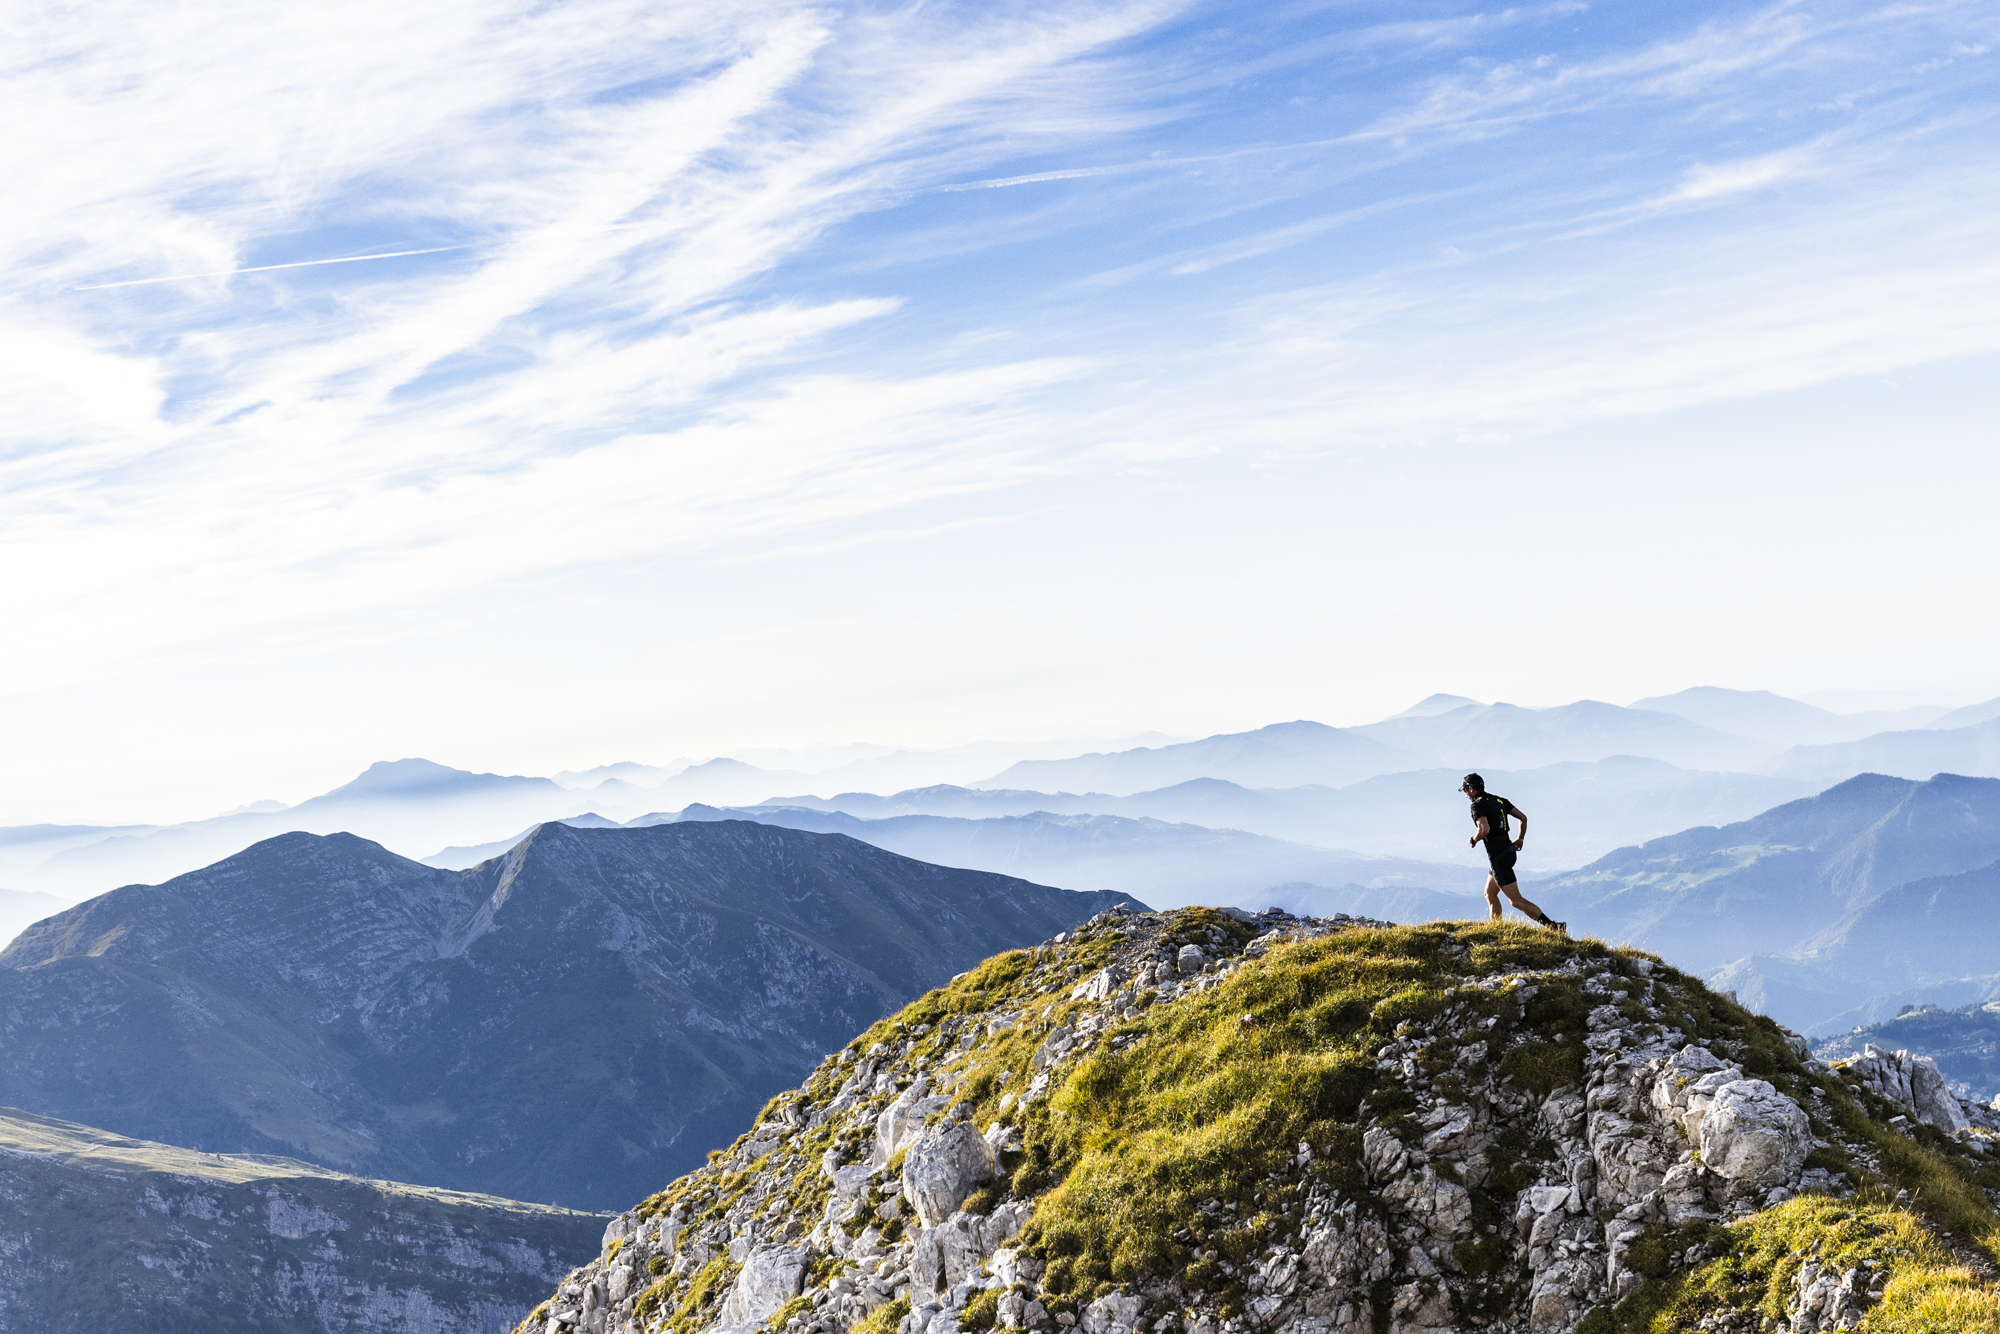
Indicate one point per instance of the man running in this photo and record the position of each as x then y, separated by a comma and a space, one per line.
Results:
1490, 814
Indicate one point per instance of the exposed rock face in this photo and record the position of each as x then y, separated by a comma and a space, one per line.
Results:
1913, 1082
1965, 1043
327, 999
1460, 1198
941, 1170
770, 1277
98, 1233
1754, 1136
1827, 1299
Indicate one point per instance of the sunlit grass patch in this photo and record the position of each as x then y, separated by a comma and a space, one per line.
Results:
1925, 1289
1217, 1092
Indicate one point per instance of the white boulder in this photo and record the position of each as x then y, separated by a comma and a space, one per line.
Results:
1754, 1135
1932, 1099
942, 1168
771, 1276
902, 1121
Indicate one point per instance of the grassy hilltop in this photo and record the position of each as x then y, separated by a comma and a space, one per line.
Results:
1316, 1126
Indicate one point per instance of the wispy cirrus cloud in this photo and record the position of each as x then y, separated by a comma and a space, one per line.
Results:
779, 278
624, 171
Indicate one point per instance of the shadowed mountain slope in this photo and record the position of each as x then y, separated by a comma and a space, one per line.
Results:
1936, 932
552, 1025
100, 1232
1770, 885
20, 909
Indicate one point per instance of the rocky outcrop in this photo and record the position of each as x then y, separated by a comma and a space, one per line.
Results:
1965, 1043
99, 1232
770, 1277
942, 1168
1915, 1084
1551, 1123
1828, 1299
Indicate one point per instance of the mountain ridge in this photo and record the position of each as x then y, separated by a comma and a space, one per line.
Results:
321, 997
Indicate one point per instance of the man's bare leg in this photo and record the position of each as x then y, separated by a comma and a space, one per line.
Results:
1493, 896
1513, 893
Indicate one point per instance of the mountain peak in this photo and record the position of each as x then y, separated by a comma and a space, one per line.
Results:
425, 780
1253, 1122
1432, 705
399, 778
357, 987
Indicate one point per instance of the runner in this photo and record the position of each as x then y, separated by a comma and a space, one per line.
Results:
1490, 814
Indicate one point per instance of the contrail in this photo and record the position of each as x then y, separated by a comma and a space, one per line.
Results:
266, 268
1075, 173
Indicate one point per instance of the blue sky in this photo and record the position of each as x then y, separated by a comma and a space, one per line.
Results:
784, 374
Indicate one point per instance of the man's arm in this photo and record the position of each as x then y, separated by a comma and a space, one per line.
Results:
1522, 816
1484, 832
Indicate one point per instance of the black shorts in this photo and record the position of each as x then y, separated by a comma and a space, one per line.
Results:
1501, 856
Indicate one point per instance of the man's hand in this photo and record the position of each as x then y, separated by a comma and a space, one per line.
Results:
1520, 842
1472, 842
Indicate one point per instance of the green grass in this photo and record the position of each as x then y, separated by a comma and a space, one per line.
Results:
982, 1312
1217, 1091
883, 1319
1928, 1291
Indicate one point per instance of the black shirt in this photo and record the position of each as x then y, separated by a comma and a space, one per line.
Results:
1495, 810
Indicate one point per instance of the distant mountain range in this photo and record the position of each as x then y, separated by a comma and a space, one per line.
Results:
1781, 723
1164, 864
1706, 728
1579, 810
587, 1014
1745, 747
1504, 736
1915, 754
1818, 908
1281, 755
1824, 911
101, 1232
396, 801
1462, 736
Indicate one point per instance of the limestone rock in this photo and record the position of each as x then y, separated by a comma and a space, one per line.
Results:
902, 1121
1754, 1135
942, 1168
1116, 1313
1826, 1299
1915, 1083
770, 1277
